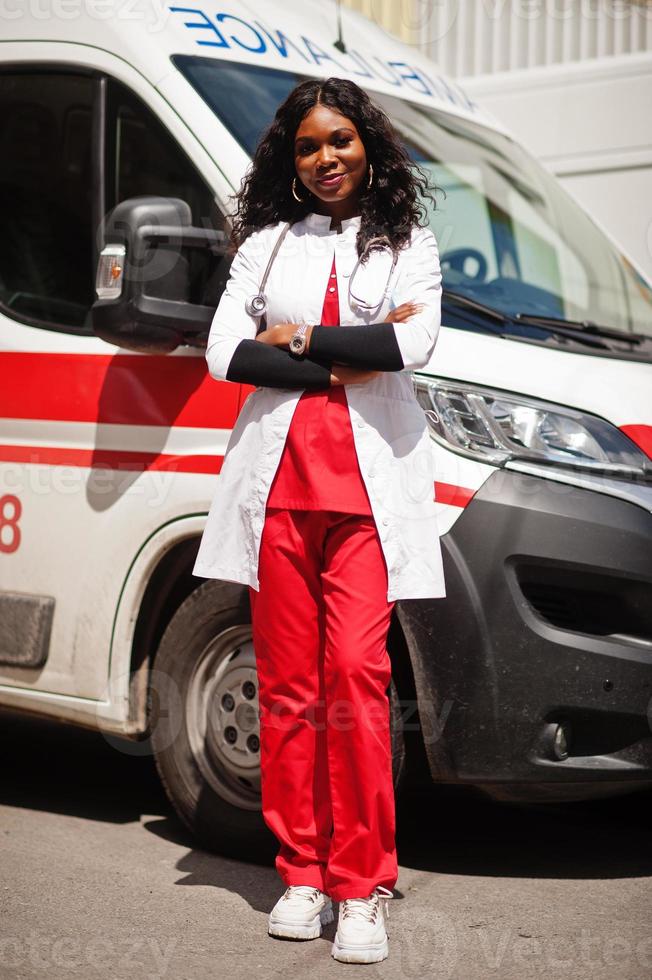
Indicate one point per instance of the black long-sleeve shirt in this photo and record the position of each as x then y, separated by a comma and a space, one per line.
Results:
262, 364
256, 363
372, 347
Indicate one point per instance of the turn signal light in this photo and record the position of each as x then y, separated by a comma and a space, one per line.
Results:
110, 272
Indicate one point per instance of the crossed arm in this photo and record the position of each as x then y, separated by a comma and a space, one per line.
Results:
257, 363
270, 363
406, 341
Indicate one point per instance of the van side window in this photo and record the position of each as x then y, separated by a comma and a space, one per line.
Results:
53, 195
143, 158
46, 238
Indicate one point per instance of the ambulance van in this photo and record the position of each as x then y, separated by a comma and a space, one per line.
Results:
125, 128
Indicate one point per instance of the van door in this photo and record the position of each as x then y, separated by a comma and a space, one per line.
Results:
86, 430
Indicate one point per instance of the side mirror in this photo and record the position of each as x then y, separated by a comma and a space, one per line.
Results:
159, 279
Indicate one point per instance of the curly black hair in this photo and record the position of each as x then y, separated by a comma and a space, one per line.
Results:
390, 207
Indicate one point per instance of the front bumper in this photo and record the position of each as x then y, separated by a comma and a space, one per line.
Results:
547, 620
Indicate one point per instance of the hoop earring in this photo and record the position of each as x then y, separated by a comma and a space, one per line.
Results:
371, 175
301, 200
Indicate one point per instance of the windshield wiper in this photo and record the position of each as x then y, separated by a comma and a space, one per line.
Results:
581, 326
558, 325
473, 304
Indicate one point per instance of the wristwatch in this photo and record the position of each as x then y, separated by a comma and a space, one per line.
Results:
298, 339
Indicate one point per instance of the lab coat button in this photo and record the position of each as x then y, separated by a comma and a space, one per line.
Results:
385, 520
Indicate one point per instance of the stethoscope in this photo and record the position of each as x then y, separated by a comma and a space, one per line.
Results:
363, 304
256, 305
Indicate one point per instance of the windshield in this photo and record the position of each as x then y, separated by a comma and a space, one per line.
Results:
509, 235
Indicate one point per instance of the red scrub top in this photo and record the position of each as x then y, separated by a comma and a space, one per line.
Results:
319, 469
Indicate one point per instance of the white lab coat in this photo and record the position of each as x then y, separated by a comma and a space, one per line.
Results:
390, 430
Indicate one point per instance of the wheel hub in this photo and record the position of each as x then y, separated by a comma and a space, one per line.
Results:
222, 716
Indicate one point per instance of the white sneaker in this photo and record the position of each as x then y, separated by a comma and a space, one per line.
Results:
361, 936
300, 913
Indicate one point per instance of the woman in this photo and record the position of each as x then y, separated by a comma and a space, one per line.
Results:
324, 506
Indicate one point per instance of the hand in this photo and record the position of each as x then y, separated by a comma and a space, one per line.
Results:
279, 335
403, 312
344, 374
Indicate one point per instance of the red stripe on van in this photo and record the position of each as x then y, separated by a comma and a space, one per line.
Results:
130, 389
118, 459
641, 435
448, 493
126, 460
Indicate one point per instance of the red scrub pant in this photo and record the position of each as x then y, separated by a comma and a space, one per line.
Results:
320, 623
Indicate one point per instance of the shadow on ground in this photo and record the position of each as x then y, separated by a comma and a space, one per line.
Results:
72, 771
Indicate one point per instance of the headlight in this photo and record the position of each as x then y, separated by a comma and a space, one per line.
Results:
495, 426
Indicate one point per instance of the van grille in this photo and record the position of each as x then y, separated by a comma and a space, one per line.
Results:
588, 602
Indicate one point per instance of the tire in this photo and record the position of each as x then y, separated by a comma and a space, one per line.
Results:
204, 722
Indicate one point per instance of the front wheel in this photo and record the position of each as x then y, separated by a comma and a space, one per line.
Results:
204, 721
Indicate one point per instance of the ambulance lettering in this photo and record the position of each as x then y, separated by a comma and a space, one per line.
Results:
256, 38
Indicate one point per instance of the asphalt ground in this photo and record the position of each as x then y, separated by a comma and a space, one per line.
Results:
100, 879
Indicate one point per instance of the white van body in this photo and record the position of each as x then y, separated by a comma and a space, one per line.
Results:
110, 456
